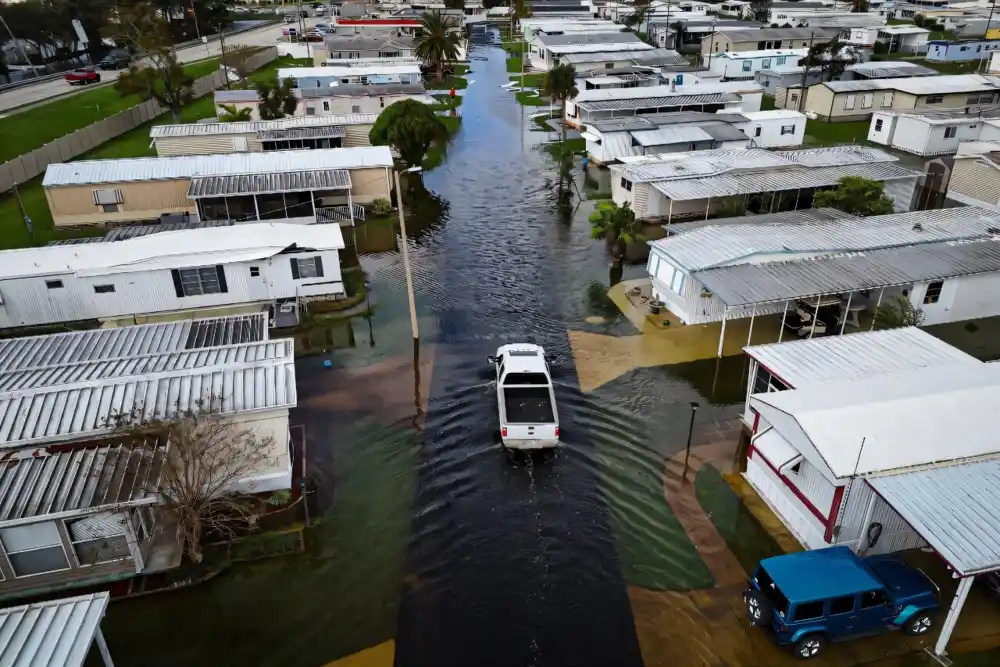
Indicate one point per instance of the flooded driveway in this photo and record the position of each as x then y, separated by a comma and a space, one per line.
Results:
428, 536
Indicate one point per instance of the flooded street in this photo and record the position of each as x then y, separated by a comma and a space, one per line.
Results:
428, 535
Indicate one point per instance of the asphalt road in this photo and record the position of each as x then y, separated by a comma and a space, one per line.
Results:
46, 90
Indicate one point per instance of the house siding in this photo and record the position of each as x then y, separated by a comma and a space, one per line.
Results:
806, 527
204, 145
147, 200
896, 534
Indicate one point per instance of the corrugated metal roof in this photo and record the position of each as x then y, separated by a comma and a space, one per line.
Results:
39, 352
888, 423
359, 90
748, 284
722, 185
715, 246
56, 633
126, 232
79, 479
798, 217
951, 115
329, 132
657, 102
154, 362
377, 69
257, 126
655, 120
250, 184
884, 70
770, 34
931, 85
92, 172
81, 410
605, 94
589, 39
363, 43
723, 132
678, 134
955, 508
801, 363
601, 56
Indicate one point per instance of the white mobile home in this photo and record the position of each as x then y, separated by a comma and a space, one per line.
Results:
327, 77
775, 128
532, 27
173, 272
611, 140
929, 133
896, 38
733, 66
653, 60
546, 51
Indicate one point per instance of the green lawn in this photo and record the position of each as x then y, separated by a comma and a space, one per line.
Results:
532, 80
530, 99
447, 83
820, 133
515, 48
948, 68
767, 102
23, 132
515, 64
746, 538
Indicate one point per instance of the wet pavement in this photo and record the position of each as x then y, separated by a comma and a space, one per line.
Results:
431, 547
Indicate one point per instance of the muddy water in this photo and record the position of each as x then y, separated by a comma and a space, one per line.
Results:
429, 535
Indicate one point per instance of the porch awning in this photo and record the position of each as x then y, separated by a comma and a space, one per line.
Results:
69, 482
955, 508
590, 137
776, 450
57, 632
262, 184
328, 132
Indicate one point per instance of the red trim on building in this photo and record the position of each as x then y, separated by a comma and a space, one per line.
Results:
378, 22
823, 519
838, 497
756, 419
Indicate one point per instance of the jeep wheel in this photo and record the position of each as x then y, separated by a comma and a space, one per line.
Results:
758, 609
809, 646
918, 625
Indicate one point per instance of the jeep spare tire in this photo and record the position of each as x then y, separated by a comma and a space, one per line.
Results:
758, 609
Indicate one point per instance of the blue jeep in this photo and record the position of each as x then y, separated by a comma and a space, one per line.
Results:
813, 597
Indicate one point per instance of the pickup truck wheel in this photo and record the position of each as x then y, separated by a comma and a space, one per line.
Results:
809, 646
918, 625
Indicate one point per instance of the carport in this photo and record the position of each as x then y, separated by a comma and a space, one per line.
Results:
956, 509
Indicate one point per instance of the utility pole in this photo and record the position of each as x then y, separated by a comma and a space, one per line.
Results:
805, 73
302, 30
222, 52
20, 45
993, 6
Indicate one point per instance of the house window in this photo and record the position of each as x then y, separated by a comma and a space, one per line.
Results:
104, 289
866, 100
99, 538
307, 267
849, 102
609, 65
934, 99
381, 102
788, 129
355, 108
326, 105
765, 63
110, 208
677, 282
983, 98
780, 60
764, 382
795, 98
756, 130
878, 125
627, 184
254, 271
950, 132
933, 294
887, 99
53, 284
108, 197
746, 65
34, 549
310, 110
200, 280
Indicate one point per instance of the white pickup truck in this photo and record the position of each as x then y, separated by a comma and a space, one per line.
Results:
527, 403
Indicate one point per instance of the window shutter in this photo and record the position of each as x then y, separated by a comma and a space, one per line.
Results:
178, 287
221, 271
295, 268
319, 266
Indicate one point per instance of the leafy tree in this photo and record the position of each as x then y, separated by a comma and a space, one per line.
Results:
638, 15
230, 114
832, 58
437, 42
163, 79
560, 84
898, 312
410, 127
760, 10
522, 9
454, 4
277, 100
857, 196
618, 225
679, 28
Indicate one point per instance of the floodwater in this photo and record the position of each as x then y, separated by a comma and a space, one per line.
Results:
428, 534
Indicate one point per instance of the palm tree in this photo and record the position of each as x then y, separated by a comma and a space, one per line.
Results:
277, 99
618, 225
437, 41
230, 114
560, 84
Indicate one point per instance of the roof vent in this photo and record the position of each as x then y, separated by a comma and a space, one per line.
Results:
917, 227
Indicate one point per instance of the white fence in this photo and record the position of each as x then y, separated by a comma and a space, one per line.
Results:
69, 146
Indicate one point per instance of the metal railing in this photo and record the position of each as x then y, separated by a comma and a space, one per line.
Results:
340, 213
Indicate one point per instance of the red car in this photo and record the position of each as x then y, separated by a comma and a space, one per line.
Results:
82, 76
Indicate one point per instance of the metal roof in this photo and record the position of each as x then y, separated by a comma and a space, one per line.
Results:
946, 116
153, 362
95, 172
888, 70
890, 422
930, 85
83, 409
333, 71
39, 484
656, 102
171, 250
56, 633
330, 132
680, 134
801, 216
126, 232
716, 246
857, 356
723, 185
724, 132
39, 352
749, 284
258, 126
604, 94
258, 184
364, 43
601, 56
771, 34
589, 39
360, 90
655, 120
955, 508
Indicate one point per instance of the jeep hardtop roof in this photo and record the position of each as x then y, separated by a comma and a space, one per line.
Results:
820, 574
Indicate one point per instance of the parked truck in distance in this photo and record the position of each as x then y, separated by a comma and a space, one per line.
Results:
525, 398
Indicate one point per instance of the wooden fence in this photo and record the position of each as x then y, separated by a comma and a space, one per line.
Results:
69, 146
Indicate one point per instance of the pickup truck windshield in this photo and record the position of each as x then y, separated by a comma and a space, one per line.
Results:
526, 378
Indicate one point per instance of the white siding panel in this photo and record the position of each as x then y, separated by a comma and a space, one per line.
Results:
974, 296
901, 191
897, 535
813, 486
799, 520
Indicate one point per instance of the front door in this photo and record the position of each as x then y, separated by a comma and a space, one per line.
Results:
257, 287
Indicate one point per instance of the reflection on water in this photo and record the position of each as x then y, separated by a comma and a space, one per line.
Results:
325, 335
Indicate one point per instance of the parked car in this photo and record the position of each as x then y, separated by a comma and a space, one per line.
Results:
525, 398
115, 60
289, 18
82, 76
811, 598
311, 36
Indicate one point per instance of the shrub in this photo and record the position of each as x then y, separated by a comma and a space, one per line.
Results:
381, 206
